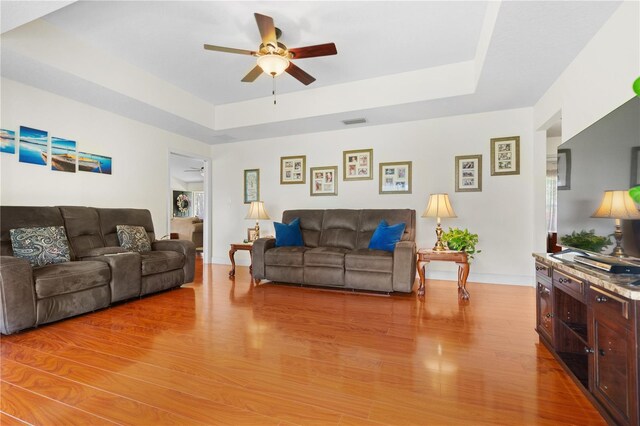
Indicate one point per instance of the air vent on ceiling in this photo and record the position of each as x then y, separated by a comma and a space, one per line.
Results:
354, 121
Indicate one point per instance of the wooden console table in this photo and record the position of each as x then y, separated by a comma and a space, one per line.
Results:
232, 251
427, 255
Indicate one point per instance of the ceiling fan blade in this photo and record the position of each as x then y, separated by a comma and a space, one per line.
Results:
253, 74
267, 29
300, 75
314, 51
229, 50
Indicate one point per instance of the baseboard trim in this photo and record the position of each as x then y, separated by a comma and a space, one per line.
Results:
521, 280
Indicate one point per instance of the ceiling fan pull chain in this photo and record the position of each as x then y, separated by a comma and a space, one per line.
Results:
273, 91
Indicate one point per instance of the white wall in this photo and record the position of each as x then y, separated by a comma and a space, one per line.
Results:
140, 156
599, 79
500, 214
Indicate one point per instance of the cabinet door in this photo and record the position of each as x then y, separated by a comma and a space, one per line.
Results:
613, 367
545, 310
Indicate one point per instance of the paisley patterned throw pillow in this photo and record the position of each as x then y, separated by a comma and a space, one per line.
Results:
40, 245
133, 238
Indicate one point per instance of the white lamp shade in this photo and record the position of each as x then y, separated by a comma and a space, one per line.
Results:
257, 211
617, 205
439, 206
273, 64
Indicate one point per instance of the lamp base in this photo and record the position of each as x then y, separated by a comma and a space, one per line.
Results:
439, 244
257, 228
618, 251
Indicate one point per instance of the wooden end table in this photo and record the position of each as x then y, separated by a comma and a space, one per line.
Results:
234, 248
427, 255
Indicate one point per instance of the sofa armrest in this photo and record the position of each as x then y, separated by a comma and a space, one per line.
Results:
187, 248
17, 295
404, 266
260, 246
126, 274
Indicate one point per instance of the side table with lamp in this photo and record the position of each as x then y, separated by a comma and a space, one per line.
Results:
257, 212
439, 206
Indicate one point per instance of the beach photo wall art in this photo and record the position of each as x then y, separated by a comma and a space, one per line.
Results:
7, 141
63, 155
94, 163
34, 146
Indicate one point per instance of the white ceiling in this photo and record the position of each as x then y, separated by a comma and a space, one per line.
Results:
186, 169
513, 52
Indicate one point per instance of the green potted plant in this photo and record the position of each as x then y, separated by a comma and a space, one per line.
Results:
586, 240
461, 240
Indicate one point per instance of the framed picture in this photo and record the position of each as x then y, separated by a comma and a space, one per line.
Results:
357, 164
251, 234
564, 169
323, 180
251, 185
395, 178
182, 203
505, 156
34, 146
469, 173
635, 166
63, 155
94, 163
292, 169
7, 141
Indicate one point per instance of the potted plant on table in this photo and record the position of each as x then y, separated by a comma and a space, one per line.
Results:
586, 240
461, 240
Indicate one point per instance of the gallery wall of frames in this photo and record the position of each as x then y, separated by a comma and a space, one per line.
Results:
393, 177
37, 147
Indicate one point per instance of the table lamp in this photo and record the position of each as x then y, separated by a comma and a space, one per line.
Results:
617, 205
439, 207
257, 212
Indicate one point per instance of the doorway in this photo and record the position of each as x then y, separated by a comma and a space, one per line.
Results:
189, 196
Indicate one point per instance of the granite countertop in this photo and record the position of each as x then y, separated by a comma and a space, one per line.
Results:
617, 283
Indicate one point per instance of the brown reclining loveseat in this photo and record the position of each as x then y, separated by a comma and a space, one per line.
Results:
100, 271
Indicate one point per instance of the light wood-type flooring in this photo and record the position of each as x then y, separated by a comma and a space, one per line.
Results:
223, 351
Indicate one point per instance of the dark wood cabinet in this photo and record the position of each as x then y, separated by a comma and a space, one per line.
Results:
544, 302
614, 381
593, 332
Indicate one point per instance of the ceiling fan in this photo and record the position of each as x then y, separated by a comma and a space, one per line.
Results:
274, 57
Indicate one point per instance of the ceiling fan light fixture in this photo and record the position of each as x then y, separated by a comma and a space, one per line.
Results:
273, 64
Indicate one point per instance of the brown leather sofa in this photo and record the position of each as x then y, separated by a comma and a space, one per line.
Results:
336, 253
100, 271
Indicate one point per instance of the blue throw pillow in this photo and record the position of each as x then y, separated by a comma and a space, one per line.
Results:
288, 235
386, 236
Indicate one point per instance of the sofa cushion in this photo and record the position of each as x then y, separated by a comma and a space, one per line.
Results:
339, 228
69, 277
83, 229
45, 245
288, 235
325, 256
133, 238
112, 217
285, 256
369, 260
12, 217
155, 262
370, 218
386, 236
310, 224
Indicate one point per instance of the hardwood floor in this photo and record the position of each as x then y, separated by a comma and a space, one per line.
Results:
222, 351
